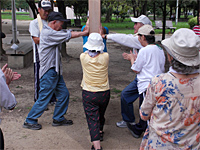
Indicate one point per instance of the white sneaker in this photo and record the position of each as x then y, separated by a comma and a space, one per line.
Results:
122, 124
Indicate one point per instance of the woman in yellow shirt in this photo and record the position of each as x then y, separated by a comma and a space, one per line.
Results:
95, 85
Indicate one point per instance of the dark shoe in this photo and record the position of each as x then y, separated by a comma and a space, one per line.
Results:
101, 136
32, 126
131, 129
65, 122
92, 148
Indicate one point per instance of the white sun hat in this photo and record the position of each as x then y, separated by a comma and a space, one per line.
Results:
143, 19
184, 46
95, 42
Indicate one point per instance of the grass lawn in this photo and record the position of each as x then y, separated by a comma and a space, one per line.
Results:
127, 26
19, 16
120, 27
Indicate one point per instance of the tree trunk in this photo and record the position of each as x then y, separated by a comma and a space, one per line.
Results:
164, 20
179, 11
154, 10
144, 8
109, 12
170, 12
108, 15
133, 4
33, 7
62, 9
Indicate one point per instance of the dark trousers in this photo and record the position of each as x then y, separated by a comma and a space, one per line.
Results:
1, 140
95, 104
142, 125
128, 96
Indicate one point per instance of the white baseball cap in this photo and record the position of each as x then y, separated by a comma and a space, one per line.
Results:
184, 46
143, 19
95, 42
46, 5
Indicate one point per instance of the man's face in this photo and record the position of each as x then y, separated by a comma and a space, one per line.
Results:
58, 25
137, 26
44, 13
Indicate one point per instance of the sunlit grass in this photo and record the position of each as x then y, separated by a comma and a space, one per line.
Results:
19, 16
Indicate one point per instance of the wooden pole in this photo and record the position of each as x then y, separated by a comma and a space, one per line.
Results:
94, 15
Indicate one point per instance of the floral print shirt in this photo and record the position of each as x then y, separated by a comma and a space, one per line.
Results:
173, 107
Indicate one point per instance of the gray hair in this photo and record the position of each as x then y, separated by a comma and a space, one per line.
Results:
179, 67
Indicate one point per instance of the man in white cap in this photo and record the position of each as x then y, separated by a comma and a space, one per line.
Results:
130, 93
35, 27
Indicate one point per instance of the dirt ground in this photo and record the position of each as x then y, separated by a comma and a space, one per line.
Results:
75, 137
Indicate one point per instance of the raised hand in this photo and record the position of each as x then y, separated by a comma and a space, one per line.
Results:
9, 74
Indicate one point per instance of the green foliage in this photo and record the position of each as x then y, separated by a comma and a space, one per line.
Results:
5, 4
21, 4
192, 22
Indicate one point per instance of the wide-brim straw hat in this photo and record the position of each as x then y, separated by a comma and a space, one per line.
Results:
184, 46
95, 42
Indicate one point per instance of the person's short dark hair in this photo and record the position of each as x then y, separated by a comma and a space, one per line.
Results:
150, 39
56, 16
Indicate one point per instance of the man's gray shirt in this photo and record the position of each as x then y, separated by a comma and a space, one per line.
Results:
7, 99
49, 48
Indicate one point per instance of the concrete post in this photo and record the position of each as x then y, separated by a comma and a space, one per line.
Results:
94, 15
176, 12
14, 24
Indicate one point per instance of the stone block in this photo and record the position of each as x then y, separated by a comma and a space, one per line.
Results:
20, 58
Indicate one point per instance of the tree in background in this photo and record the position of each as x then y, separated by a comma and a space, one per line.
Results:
21, 4
5, 4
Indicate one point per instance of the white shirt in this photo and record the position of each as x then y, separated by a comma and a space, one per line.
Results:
35, 31
129, 40
150, 62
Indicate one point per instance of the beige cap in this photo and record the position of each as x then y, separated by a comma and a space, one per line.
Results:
146, 30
